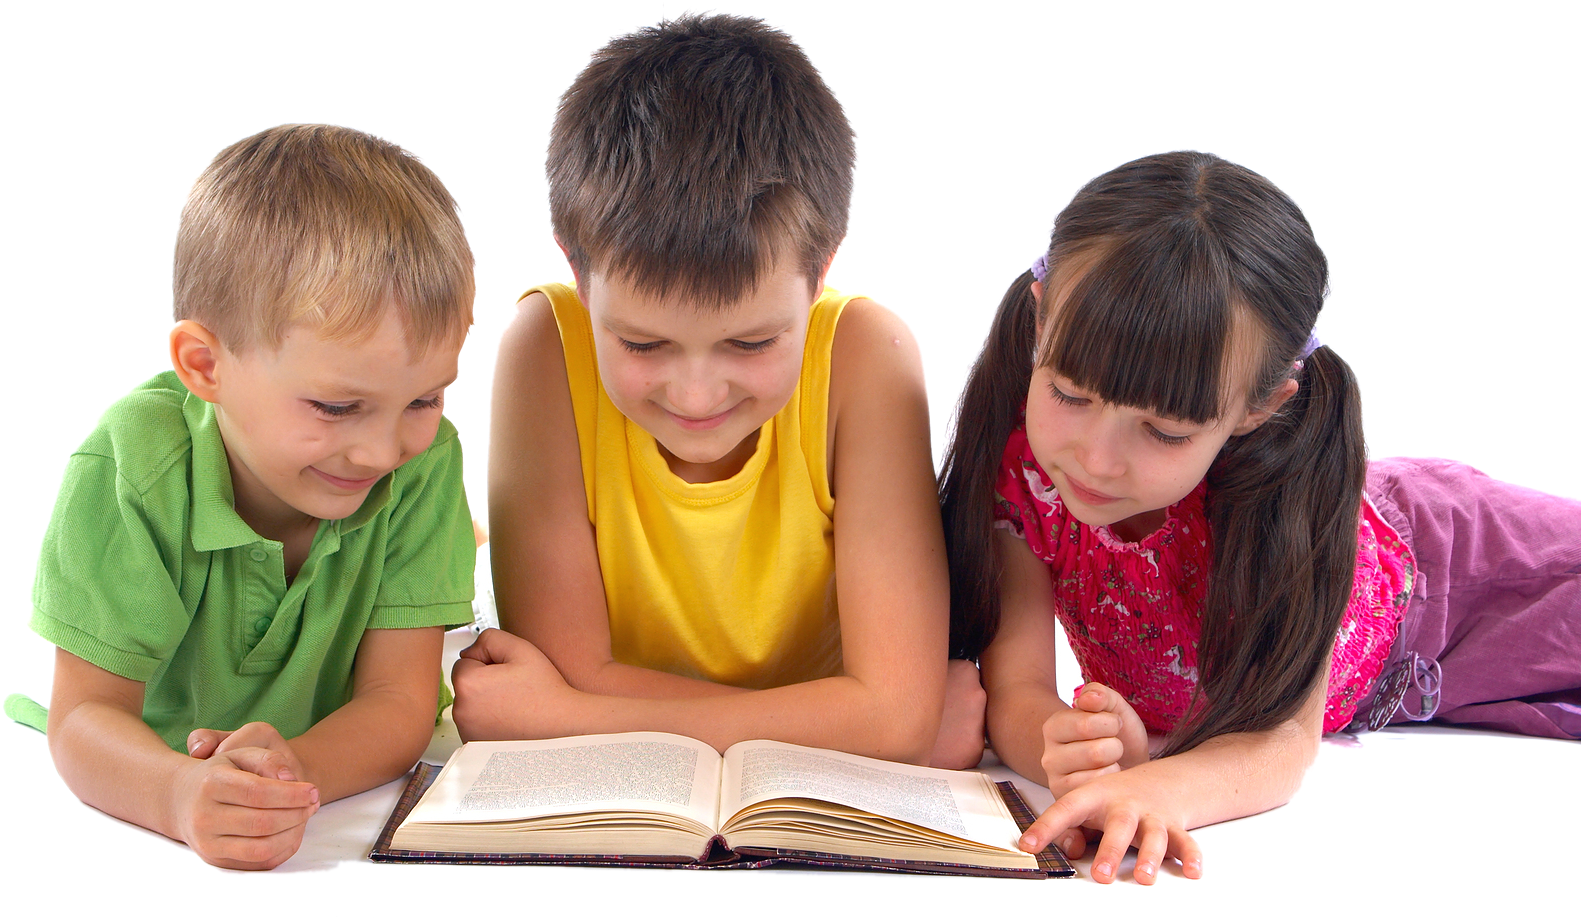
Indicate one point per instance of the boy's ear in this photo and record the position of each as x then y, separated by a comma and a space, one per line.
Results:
1266, 411
194, 353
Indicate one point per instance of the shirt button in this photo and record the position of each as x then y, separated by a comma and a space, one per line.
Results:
259, 555
261, 625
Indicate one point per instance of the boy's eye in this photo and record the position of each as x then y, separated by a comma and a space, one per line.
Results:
638, 348
755, 347
333, 410
433, 402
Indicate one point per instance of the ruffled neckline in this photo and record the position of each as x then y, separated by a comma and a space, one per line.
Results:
1174, 519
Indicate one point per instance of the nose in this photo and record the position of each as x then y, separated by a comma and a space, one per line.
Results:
380, 448
697, 391
1098, 447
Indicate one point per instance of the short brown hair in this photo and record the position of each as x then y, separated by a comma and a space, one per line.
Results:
688, 155
322, 225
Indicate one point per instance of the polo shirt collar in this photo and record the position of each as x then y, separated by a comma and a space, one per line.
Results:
215, 523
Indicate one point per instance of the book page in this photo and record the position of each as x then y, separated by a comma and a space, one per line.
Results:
636, 771
961, 804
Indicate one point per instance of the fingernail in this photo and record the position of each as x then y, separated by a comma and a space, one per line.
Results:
1103, 869
1144, 870
196, 746
313, 795
1027, 843
286, 776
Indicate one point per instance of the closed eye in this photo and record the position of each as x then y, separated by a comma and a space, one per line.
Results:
1065, 399
436, 401
335, 410
638, 348
754, 348
1173, 440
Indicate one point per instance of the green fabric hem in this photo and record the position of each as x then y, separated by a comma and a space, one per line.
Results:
93, 650
451, 615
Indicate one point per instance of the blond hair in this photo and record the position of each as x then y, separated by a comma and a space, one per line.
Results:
323, 226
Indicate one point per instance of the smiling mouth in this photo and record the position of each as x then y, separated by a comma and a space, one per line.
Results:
700, 424
1087, 495
350, 485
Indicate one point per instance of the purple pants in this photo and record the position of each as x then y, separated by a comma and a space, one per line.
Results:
1497, 598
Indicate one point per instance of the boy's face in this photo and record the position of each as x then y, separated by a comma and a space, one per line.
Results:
311, 427
702, 382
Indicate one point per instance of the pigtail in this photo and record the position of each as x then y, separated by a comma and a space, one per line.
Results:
1282, 505
989, 410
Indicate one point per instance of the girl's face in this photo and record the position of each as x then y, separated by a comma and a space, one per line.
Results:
702, 382
1122, 466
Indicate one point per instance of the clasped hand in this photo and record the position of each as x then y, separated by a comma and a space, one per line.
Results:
1097, 735
493, 678
241, 803
1089, 752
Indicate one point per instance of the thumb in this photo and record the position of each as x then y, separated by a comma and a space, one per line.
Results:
203, 742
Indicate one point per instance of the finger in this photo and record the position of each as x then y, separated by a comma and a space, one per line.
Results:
253, 851
1078, 725
1153, 837
203, 742
478, 650
254, 735
1118, 832
1184, 847
1096, 697
1081, 756
1070, 782
1064, 815
253, 784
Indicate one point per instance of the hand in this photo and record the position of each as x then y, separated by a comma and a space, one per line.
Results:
502, 681
959, 745
240, 803
1126, 808
1098, 735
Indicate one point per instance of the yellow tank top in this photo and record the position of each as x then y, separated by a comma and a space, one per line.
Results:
729, 581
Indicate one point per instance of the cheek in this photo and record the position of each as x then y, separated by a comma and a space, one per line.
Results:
1045, 430
773, 379
629, 380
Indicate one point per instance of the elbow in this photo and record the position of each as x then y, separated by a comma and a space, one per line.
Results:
1299, 748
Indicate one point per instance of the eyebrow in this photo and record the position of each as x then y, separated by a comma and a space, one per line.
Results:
352, 392
771, 326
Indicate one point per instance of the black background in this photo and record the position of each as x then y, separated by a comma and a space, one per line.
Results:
1428, 184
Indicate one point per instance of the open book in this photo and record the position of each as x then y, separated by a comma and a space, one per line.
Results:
654, 799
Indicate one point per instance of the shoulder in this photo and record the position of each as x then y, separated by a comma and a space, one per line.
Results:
530, 349
143, 436
874, 356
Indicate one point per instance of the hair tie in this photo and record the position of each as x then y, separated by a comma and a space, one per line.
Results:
1040, 268
1313, 344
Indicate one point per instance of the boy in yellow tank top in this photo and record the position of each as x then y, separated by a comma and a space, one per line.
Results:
711, 491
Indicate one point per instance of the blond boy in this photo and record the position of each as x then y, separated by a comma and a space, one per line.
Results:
253, 557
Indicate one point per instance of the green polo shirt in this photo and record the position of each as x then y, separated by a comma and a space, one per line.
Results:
148, 572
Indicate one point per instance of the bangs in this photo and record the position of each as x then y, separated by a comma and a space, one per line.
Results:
1148, 325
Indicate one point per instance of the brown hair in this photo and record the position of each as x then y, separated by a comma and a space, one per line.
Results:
690, 156
1176, 252
321, 225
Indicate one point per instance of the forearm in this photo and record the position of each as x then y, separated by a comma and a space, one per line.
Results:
835, 712
112, 760
380, 732
1016, 714
1236, 775
374, 738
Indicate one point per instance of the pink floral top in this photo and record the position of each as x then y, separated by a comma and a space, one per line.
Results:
1131, 611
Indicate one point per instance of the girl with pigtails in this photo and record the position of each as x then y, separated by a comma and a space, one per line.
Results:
1155, 450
